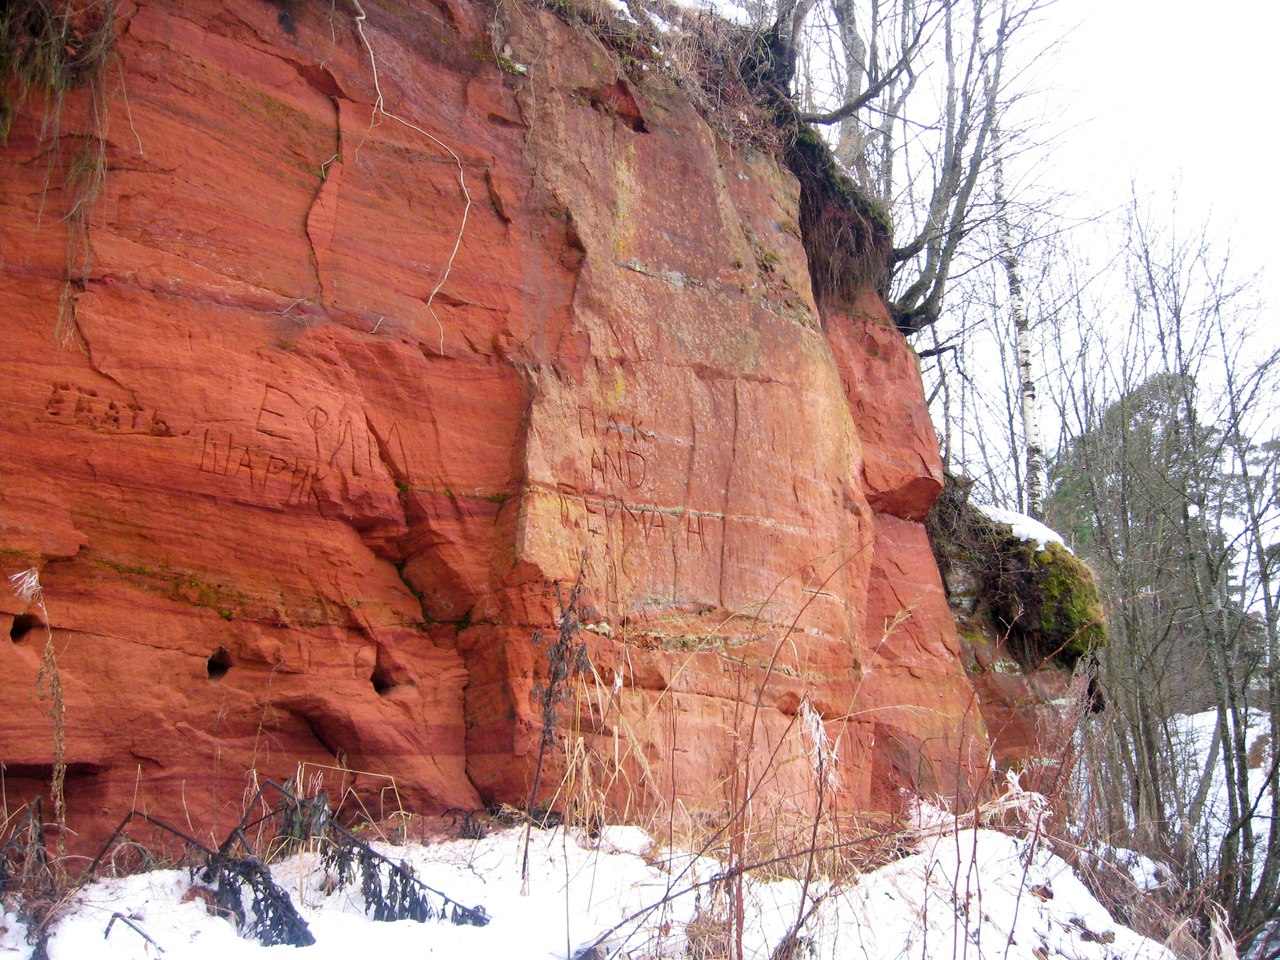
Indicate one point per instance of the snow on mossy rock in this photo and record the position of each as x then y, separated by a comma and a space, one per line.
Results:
1019, 575
1026, 529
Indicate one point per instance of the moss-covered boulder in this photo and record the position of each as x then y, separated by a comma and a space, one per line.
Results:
1040, 599
1050, 598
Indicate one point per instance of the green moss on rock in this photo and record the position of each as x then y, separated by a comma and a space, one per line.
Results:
1041, 604
1071, 621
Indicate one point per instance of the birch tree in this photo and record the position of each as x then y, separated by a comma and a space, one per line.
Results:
1011, 263
1167, 484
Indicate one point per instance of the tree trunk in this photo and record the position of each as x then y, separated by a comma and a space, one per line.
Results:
1010, 260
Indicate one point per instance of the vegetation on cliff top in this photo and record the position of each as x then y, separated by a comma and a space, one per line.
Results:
737, 78
1040, 598
48, 49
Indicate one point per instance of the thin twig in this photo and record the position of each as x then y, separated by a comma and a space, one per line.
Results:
132, 926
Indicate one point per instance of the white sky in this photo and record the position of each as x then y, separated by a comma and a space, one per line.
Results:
1174, 94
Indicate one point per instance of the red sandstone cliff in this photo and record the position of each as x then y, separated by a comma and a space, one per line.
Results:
294, 498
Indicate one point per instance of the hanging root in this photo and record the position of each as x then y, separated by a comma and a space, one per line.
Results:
379, 111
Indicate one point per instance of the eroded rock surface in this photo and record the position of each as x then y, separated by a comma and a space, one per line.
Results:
348, 393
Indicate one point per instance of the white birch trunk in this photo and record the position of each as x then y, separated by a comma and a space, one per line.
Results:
1010, 260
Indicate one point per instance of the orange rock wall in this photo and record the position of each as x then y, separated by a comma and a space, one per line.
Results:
349, 392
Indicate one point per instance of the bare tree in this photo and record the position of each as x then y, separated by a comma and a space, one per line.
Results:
924, 149
1167, 483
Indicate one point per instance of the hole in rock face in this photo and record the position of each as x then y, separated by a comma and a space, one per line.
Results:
23, 624
219, 663
381, 680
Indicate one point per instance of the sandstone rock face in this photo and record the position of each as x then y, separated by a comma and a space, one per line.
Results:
1028, 694
363, 369
1031, 714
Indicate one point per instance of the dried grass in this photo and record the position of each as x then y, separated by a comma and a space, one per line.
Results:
48, 50
48, 686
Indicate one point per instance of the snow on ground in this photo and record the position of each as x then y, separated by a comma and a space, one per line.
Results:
1024, 527
1192, 740
968, 893
734, 12
1145, 873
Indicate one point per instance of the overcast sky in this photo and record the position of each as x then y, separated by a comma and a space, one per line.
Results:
1174, 93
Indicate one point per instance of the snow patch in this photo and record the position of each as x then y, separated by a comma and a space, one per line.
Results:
967, 892
725, 9
1024, 528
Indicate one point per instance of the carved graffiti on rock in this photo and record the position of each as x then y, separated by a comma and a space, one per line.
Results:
333, 438
288, 479
286, 452
618, 460
84, 407
619, 454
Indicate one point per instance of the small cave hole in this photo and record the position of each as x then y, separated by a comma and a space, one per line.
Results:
218, 664
23, 624
381, 680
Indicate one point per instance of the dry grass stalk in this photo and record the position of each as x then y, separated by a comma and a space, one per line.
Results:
48, 49
49, 687
566, 661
